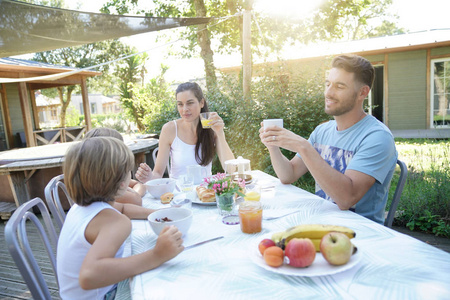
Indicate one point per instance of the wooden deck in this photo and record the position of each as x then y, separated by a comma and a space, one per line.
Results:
12, 285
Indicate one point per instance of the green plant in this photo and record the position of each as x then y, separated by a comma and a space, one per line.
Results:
223, 185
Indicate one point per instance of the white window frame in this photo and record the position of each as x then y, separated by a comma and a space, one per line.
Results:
433, 61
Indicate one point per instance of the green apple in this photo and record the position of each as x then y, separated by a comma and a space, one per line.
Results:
336, 248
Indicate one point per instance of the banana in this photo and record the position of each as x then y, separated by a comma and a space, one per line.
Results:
311, 231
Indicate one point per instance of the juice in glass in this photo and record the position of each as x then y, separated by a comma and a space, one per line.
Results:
206, 123
252, 196
250, 216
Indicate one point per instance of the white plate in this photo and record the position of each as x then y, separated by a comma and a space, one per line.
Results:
320, 267
197, 201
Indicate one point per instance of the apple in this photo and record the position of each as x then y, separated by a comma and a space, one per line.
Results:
300, 252
264, 244
336, 248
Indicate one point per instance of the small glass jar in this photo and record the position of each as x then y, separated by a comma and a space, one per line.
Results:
250, 216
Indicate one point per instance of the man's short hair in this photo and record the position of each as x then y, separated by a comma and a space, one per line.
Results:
95, 167
361, 67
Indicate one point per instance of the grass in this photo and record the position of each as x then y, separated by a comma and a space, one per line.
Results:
425, 201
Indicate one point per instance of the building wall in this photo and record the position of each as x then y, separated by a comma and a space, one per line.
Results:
15, 110
407, 76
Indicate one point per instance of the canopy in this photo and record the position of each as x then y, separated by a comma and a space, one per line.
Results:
28, 28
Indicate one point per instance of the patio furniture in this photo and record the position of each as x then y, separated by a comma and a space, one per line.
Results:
387, 264
397, 194
19, 165
53, 201
17, 235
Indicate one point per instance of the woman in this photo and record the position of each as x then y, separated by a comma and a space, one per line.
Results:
185, 141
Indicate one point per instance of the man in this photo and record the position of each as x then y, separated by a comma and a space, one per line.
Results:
352, 158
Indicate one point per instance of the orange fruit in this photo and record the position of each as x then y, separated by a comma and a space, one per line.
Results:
274, 256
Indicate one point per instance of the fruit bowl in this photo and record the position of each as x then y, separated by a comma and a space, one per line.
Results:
178, 216
157, 187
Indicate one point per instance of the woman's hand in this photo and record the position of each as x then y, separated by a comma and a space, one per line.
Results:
217, 123
144, 173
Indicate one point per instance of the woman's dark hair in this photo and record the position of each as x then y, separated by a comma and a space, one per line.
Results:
205, 137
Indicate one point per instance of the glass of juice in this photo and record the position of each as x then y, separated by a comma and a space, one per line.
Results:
205, 119
252, 192
250, 216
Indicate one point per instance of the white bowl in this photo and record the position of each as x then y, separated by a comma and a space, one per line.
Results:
180, 217
157, 187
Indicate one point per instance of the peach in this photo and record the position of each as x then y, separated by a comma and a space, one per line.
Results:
264, 244
274, 256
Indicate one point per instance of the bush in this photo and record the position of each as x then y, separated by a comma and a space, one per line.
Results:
425, 201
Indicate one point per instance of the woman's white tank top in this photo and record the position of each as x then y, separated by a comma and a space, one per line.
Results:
182, 155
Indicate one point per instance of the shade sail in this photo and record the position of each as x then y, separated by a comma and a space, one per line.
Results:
28, 28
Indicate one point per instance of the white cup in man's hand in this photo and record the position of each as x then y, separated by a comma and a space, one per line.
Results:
272, 122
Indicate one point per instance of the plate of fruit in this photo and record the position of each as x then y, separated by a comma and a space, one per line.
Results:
307, 250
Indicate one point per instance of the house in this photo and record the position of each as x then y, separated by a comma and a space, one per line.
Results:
98, 104
19, 115
411, 91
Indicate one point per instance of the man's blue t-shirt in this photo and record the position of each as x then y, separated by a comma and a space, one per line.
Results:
367, 147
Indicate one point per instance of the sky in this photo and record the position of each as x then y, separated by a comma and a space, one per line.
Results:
423, 15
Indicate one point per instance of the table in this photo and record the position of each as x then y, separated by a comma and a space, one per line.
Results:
392, 265
19, 165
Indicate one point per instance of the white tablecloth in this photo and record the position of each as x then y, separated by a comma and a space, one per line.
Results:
391, 266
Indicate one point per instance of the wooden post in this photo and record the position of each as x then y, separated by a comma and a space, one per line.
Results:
35, 110
26, 114
86, 106
247, 55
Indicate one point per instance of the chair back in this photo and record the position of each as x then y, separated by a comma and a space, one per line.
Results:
397, 194
154, 154
51, 192
16, 237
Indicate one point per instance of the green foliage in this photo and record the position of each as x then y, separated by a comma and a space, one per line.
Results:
153, 104
114, 121
72, 117
425, 201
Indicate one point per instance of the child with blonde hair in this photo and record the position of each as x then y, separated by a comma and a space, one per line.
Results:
136, 190
90, 246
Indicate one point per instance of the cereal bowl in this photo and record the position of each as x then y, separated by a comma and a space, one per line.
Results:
157, 187
178, 216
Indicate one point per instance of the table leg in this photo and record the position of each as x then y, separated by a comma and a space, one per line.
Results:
18, 187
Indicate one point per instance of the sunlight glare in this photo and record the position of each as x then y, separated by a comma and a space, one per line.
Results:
292, 9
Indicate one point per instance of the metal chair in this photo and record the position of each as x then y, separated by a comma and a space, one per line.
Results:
51, 192
398, 192
16, 237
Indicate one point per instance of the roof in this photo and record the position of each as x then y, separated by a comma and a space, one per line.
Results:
393, 43
379, 45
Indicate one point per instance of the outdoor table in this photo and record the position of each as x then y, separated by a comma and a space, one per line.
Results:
20, 164
391, 265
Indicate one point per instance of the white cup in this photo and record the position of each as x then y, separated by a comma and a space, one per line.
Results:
197, 172
273, 122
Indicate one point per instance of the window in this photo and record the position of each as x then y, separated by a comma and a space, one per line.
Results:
93, 108
440, 93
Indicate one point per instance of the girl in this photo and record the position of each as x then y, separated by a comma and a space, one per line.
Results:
136, 190
90, 245
185, 141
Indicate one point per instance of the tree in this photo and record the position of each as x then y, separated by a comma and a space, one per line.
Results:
81, 57
333, 20
131, 71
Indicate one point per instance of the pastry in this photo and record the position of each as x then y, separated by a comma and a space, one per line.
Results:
166, 197
205, 195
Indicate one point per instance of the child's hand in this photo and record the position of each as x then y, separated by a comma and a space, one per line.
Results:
144, 173
169, 243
